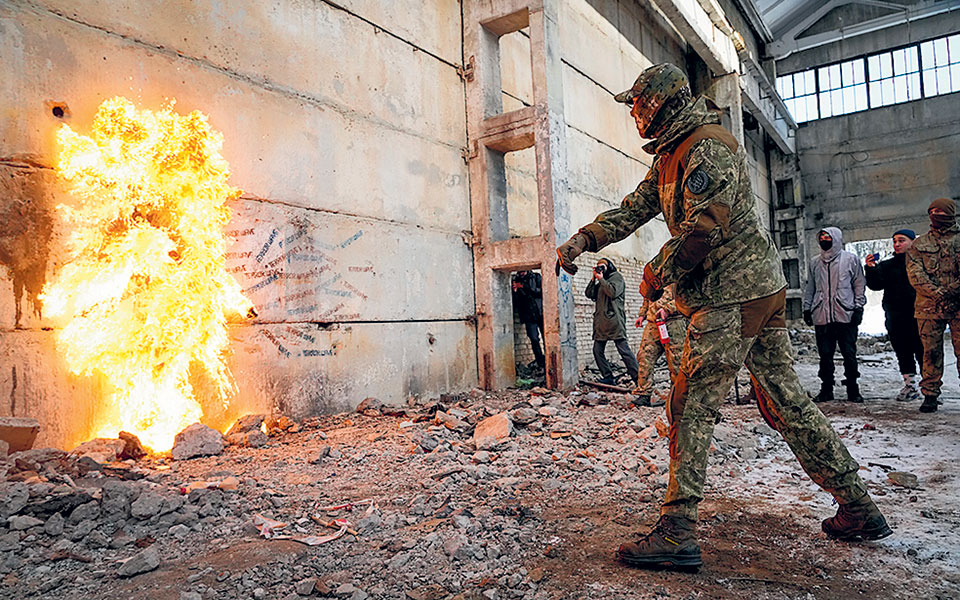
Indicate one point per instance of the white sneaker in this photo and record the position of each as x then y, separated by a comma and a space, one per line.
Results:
910, 391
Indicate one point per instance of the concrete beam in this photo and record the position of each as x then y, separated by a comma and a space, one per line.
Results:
694, 24
785, 47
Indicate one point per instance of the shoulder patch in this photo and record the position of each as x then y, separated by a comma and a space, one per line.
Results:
698, 181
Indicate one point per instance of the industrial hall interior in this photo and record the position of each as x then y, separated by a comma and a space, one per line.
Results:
479, 299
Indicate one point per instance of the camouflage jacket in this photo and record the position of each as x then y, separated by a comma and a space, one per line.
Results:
933, 270
665, 302
719, 253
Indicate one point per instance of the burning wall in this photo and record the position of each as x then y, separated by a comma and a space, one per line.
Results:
347, 238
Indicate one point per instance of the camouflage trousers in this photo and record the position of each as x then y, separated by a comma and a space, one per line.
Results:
651, 349
931, 336
720, 340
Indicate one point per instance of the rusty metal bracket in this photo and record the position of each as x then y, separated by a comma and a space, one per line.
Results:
470, 151
466, 71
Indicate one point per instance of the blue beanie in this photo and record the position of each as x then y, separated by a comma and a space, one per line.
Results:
907, 232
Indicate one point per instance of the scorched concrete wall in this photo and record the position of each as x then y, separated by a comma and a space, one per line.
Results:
344, 129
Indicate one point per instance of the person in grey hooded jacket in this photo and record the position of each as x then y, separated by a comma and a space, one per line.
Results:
833, 303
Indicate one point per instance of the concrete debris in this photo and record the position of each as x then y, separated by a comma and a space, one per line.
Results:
246, 423
492, 430
143, 562
100, 450
18, 432
197, 440
132, 448
907, 480
481, 495
253, 438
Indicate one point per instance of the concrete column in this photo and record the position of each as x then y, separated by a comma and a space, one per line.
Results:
725, 91
492, 133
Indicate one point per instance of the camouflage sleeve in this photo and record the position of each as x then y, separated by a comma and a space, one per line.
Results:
637, 208
709, 191
918, 276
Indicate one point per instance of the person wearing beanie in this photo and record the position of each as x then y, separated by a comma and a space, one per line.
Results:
933, 267
833, 303
898, 297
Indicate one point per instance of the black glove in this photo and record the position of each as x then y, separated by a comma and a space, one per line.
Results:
651, 287
857, 317
569, 251
808, 317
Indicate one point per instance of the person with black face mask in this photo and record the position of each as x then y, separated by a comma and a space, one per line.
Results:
933, 267
833, 303
608, 289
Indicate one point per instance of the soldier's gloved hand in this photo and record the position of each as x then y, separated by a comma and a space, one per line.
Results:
651, 287
857, 317
569, 251
639, 322
808, 317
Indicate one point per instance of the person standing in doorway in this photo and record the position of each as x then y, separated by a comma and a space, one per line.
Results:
528, 302
933, 269
833, 303
898, 297
608, 290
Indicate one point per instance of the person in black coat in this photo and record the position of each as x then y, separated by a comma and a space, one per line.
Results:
898, 297
528, 302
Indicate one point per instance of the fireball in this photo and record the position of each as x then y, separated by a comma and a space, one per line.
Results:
144, 297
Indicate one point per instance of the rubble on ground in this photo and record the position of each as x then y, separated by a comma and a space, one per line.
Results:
481, 496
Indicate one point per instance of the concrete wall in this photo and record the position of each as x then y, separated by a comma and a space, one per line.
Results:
873, 172
343, 123
348, 236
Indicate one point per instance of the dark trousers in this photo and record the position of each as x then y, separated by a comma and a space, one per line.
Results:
905, 339
830, 336
629, 360
533, 334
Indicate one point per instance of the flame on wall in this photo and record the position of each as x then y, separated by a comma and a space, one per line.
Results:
144, 297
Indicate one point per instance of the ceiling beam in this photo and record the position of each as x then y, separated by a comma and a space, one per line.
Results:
786, 46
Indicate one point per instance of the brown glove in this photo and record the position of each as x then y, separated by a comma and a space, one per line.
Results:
569, 251
651, 287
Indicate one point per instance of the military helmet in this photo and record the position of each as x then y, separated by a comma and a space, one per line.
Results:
659, 92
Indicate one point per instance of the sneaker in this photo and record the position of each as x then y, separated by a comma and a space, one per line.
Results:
909, 392
859, 520
607, 381
930, 404
671, 544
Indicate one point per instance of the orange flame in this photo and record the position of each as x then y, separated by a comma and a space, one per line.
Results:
144, 296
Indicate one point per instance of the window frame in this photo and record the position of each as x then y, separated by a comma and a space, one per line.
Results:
923, 95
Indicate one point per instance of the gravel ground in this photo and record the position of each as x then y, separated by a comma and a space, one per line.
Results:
456, 512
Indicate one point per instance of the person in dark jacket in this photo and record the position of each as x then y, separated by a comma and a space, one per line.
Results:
608, 289
833, 303
898, 297
528, 302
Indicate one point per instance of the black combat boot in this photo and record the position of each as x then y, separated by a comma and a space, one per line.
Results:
858, 520
929, 405
826, 393
672, 544
853, 393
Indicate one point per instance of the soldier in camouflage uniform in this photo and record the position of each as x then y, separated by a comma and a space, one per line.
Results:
651, 347
933, 267
729, 281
